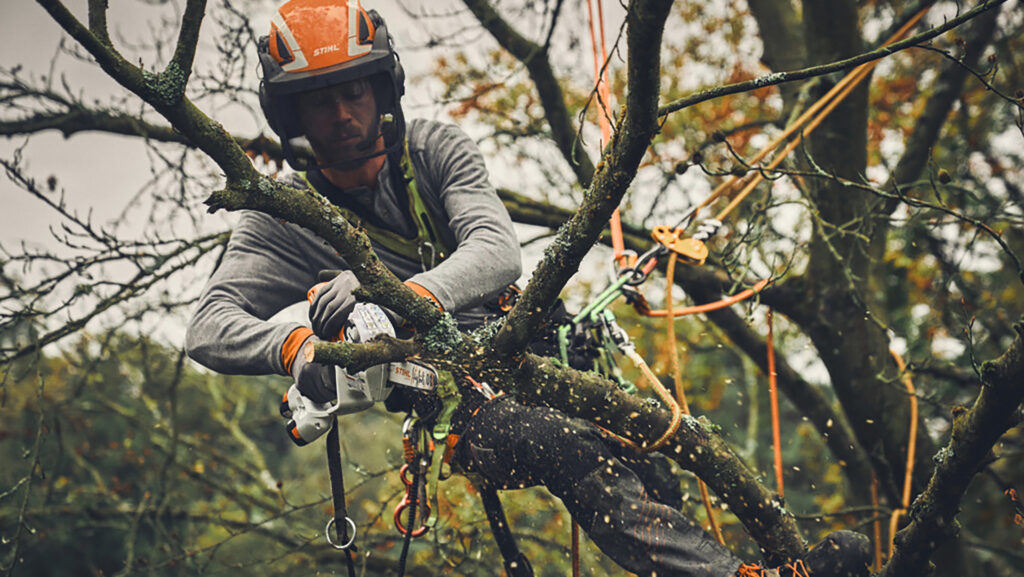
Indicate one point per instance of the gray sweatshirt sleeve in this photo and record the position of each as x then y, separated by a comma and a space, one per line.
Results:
487, 257
263, 271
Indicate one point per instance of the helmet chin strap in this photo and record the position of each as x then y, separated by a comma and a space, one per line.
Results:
384, 126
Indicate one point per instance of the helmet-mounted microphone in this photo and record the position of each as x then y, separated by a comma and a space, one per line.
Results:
384, 127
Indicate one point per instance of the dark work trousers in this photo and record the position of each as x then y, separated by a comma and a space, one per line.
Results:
633, 518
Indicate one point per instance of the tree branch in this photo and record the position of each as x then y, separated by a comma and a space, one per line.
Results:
535, 58
782, 39
947, 89
975, 431
645, 21
812, 71
696, 445
705, 287
188, 38
77, 120
359, 357
98, 20
247, 188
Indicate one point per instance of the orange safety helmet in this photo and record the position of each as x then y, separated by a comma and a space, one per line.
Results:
318, 43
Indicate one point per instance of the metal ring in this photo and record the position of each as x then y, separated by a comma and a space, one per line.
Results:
637, 279
327, 532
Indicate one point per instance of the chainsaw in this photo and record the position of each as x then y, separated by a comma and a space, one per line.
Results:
355, 392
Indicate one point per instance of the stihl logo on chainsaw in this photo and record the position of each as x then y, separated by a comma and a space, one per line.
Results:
415, 375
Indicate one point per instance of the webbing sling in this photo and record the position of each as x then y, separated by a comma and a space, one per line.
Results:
341, 521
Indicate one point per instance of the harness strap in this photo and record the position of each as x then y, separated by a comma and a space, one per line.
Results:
428, 233
341, 520
428, 247
516, 564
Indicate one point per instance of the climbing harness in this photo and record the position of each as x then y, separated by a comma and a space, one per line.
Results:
428, 445
442, 442
428, 247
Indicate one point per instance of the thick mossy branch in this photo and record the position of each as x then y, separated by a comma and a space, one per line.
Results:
975, 432
645, 22
311, 210
696, 445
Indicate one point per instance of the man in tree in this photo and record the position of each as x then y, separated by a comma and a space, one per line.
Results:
332, 82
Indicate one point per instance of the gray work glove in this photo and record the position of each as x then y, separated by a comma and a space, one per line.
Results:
332, 304
315, 381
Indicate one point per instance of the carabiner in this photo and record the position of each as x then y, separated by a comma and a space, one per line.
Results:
402, 475
627, 255
406, 502
640, 270
427, 264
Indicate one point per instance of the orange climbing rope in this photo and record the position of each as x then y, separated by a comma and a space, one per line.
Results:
713, 306
604, 115
774, 392
677, 378
695, 252
665, 396
908, 474
618, 244
877, 523
819, 110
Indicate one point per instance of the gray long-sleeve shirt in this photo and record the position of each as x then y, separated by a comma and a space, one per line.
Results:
270, 265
